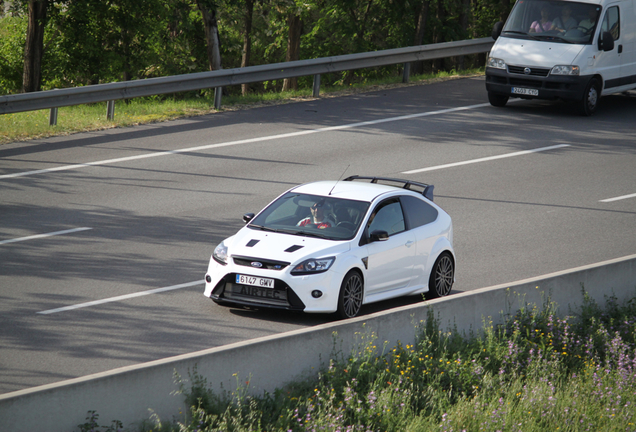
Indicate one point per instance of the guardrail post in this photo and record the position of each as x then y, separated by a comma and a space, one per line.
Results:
316, 85
53, 117
218, 93
406, 74
110, 110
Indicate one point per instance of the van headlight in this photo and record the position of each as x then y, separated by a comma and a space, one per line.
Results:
496, 63
220, 254
312, 266
565, 70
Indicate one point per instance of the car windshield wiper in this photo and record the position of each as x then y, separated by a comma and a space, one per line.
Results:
310, 234
520, 33
263, 228
554, 37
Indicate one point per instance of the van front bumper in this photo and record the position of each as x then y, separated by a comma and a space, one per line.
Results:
551, 87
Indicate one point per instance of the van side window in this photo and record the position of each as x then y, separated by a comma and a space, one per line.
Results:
612, 23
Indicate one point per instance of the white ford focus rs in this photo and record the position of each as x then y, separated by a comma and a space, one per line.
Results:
332, 246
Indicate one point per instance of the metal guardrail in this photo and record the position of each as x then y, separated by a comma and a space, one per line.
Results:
220, 78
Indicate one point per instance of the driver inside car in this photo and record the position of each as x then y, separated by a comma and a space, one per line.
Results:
564, 22
317, 217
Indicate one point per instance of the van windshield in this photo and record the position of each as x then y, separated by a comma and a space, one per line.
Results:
553, 21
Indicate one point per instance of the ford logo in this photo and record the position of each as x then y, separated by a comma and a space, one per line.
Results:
256, 264
527, 71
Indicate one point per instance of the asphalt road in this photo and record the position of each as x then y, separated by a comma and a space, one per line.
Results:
140, 209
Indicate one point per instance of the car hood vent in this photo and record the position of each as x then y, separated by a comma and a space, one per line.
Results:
293, 248
252, 243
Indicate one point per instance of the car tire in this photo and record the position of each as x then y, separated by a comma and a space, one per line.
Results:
497, 100
591, 96
442, 276
351, 294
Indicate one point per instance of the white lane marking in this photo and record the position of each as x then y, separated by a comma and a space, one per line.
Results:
240, 142
618, 198
472, 161
121, 297
51, 234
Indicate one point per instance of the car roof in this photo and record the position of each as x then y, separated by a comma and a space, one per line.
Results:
349, 190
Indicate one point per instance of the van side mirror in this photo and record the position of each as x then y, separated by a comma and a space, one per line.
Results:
248, 217
496, 30
606, 41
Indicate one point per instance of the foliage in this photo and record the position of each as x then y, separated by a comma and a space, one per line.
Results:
95, 41
536, 372
92, 424
12, 40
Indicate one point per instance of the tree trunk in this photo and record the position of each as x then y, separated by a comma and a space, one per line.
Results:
464, 18
34, 47
247, 40
208, 12
417, 68
293, 48
359, 40
505, 10
439, 35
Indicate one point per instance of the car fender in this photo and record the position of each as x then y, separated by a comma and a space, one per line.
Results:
441, 245
346, 262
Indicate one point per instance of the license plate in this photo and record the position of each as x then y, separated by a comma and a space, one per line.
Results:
254, 281
525, 91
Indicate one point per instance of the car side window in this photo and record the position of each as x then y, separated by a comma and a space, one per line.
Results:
418, 212
388, 217
611, 22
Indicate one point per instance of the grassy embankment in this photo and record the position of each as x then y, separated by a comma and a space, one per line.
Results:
83, 118
537, 372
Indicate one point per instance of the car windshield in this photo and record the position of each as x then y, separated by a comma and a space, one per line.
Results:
553, 21
312, 216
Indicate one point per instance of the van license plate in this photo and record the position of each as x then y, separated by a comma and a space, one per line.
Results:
525, 91
254, 281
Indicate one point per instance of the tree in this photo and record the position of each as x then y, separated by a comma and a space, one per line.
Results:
293, 47
34, 47
420, 29
208, 13
248, 14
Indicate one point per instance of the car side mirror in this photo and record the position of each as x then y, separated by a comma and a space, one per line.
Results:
606, 42
496, 30
247, 217
379, 235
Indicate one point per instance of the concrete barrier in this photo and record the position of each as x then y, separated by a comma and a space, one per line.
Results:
131, 394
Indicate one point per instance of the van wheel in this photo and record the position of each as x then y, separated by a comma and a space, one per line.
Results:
589, 104
497, 100
442, 276
350, 298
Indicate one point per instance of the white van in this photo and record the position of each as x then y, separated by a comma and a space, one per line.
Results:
557, 50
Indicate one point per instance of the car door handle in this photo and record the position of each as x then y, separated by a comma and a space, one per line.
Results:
409, 243
620, 49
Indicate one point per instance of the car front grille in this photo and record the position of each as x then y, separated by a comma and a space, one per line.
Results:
534, 71
260, 263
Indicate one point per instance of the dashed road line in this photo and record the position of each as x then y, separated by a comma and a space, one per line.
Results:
38, 236
120, 298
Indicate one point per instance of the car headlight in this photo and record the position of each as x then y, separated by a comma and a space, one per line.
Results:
220, 254
565, 70
496, 63
312, 266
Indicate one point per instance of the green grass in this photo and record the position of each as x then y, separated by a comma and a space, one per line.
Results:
536, 372
81, 118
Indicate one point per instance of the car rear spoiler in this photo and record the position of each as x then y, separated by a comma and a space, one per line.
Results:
427, 189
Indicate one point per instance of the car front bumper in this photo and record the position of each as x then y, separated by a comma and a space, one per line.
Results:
296, 293
551, 87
